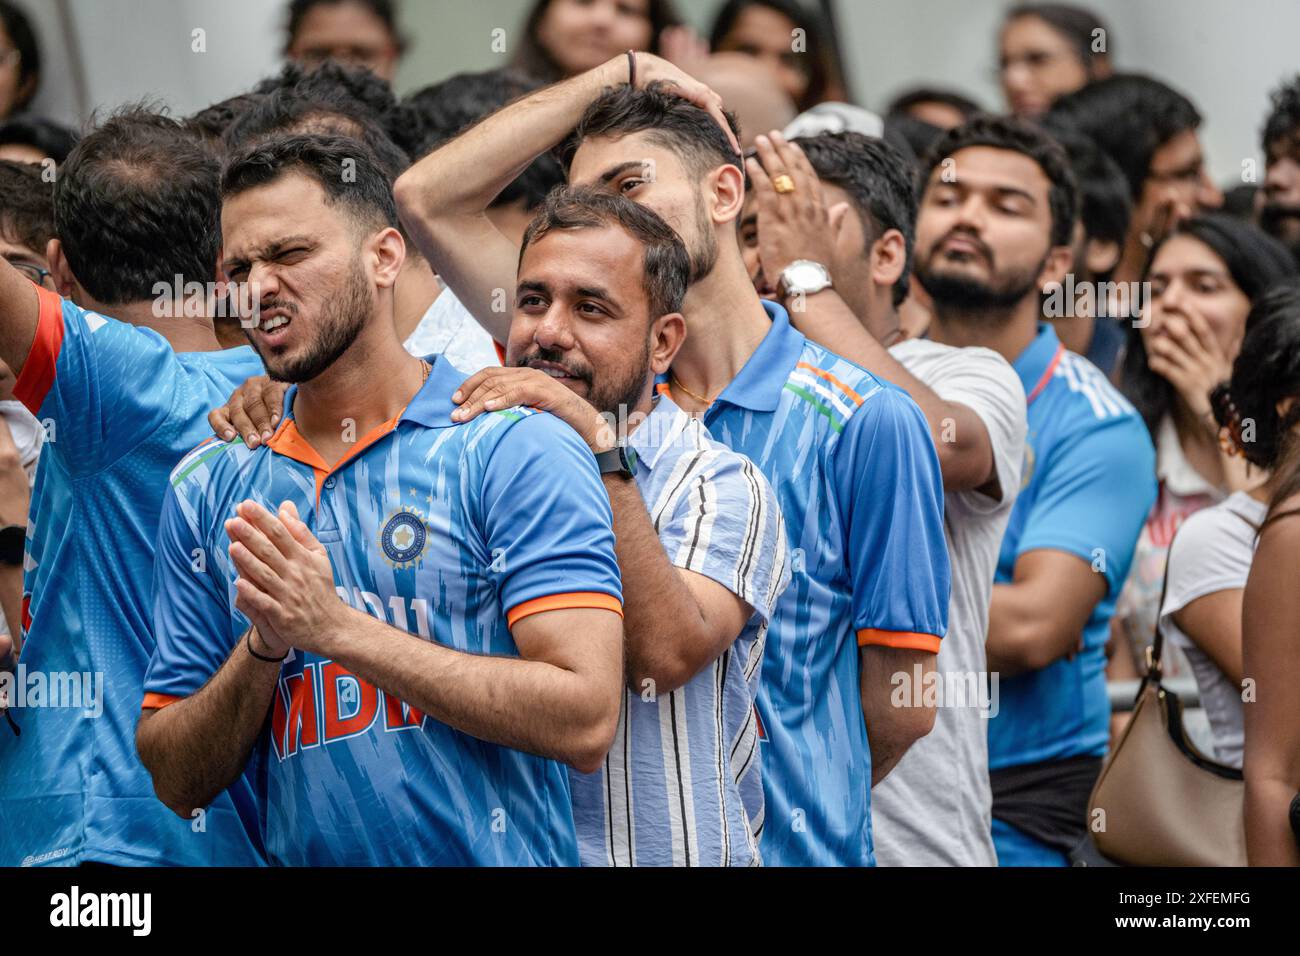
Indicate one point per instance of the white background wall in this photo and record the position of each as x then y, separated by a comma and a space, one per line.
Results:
1224, 54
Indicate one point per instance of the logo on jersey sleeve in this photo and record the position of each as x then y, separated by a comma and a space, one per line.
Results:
404, 537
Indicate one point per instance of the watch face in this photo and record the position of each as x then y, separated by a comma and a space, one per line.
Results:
805, 275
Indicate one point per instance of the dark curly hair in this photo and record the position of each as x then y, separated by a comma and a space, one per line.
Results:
1283, 116
1265, 374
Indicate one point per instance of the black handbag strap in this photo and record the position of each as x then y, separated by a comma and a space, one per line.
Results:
1158, 639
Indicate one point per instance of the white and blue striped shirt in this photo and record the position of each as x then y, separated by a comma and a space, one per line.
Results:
681, 785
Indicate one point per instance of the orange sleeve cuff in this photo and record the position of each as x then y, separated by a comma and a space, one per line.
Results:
157, 701
558, 602
904, 640
37, 377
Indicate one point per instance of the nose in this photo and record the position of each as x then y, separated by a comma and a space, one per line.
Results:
1015, 77
602, 14
554, 331
263, 283
1168, 303
972, 214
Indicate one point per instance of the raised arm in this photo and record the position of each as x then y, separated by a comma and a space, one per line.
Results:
799, 226
19, 311
443, 199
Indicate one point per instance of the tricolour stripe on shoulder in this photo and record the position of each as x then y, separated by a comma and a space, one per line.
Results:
200, 455
831, 384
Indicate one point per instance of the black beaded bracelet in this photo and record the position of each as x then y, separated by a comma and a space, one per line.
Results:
263, 657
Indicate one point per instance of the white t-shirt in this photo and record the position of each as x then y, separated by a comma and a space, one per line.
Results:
935, 808
448, 329
28, 437
27, 433
1212, 552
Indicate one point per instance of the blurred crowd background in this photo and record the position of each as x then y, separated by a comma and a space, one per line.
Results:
1224, 56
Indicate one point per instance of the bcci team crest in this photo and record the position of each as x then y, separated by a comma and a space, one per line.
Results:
404, 537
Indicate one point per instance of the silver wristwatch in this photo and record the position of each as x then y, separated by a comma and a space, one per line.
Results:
803, 277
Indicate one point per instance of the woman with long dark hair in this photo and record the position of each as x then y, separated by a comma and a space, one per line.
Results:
1264, 399
791, 39
1211, 555
562, 38
1203, 279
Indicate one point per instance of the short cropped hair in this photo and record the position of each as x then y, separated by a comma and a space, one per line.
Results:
345, 168
667, 266
670, 121
878, 178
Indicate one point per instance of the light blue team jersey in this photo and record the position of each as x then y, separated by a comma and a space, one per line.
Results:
120, 408
681, 785
451, 532
1089, 483
857, 478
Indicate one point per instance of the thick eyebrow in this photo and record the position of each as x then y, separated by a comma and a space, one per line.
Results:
614, 172
593, 292
531, 285
749, 220
269, 251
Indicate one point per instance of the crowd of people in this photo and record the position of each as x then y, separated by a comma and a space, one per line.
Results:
636, 454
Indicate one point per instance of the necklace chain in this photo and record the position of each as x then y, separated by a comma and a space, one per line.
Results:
695, 395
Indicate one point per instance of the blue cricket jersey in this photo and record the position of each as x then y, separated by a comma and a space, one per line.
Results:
119, 408
1089, 483
855, 472
451, 532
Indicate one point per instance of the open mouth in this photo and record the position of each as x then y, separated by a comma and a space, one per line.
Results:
273, 327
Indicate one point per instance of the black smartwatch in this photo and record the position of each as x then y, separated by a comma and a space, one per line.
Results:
11, 544
619, 460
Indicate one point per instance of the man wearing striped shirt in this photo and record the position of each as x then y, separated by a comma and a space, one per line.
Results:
700, 538
849, 456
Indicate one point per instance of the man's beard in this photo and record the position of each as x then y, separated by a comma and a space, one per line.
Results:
341, 321
991, 302
705, 254
610, 394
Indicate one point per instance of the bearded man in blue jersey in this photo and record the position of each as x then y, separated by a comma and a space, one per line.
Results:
121, 377
417, 622
997, 202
